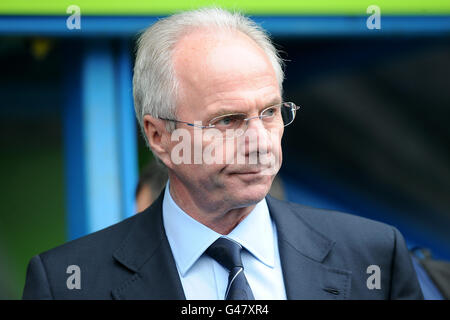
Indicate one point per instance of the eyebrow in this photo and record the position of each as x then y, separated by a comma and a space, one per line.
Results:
273, 102
223, 112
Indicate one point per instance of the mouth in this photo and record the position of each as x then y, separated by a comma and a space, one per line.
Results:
247, 171
254, 172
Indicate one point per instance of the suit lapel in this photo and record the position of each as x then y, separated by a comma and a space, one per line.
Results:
147, 253
302, 253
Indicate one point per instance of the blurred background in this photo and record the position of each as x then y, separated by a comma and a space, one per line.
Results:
372, 137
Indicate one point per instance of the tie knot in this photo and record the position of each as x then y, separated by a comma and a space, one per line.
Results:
226, 252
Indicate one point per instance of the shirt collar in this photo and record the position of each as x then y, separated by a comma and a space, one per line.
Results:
188, 238
248, 233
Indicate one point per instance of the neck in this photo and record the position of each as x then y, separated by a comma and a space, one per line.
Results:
218, 216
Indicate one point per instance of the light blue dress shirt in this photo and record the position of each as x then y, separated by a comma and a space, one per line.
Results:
201, 276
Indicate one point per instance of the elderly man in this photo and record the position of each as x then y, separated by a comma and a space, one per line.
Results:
208, 97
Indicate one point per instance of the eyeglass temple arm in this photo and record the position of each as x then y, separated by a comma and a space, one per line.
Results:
188, 123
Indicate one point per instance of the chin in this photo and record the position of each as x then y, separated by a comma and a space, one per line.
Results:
250, 194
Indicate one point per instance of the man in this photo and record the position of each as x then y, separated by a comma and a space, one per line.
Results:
208, 97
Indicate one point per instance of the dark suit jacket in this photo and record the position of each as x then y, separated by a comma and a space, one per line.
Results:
324, 255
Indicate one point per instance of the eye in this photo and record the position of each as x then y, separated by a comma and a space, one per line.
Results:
225, 121
270, 112
228, 121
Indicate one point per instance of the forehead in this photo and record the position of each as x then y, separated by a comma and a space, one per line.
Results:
213, 67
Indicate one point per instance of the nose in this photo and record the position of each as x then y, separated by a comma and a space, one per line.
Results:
256, 124
256, 138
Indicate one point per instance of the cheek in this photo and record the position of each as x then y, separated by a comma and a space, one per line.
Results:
276, 143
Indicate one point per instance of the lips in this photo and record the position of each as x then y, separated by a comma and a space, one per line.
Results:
246, 171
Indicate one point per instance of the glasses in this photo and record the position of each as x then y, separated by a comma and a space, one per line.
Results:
235, 124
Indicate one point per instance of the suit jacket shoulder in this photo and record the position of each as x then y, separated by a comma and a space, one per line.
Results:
130, 259
350, 245
346, 227
48, 272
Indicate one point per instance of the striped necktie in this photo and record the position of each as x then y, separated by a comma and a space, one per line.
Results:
228, 254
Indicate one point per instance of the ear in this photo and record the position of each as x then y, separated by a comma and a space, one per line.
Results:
158, 138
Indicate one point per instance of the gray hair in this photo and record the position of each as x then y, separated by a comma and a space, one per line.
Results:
154, 81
